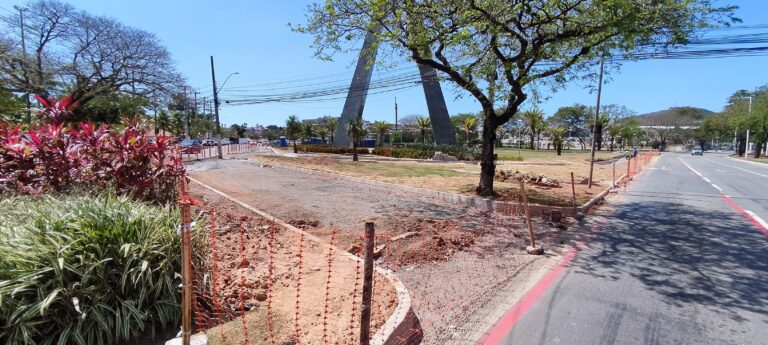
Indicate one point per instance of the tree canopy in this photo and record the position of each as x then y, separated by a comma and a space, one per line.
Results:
497, 50
69, 51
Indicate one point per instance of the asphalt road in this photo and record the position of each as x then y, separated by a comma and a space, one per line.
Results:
674, 262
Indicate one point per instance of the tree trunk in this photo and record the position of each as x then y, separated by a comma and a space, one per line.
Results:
741, 146
758, 149
487, 164
295, 150
612, 144
533, 138
559, 147
354, 150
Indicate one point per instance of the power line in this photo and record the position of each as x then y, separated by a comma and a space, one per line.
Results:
327, 87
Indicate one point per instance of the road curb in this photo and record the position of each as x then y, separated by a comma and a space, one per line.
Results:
402, 327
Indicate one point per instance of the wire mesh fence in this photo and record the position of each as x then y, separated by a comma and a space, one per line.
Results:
256, 282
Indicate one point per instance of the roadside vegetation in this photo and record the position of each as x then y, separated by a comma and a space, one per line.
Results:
87, 230
86, 269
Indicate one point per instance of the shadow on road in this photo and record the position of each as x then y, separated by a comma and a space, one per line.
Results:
713, 259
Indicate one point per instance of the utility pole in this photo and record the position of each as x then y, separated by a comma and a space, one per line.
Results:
216, 111
594, 124
186, 114
401, 139
204, 101
195, 107
24, 56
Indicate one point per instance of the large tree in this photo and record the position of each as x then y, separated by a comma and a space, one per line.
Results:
73, 52
574, 120
498, 50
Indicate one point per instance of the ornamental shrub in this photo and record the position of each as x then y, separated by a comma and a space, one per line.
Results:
86, 269
57, 157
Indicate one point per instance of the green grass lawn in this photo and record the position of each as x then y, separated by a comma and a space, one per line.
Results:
526, 155
399, 170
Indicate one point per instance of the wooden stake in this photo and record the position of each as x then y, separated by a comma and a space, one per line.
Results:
528, 217
186, 272
365, 309
573, 192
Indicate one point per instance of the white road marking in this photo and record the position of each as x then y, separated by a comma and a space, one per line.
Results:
757, 218
702, 176
742, 169
692, 169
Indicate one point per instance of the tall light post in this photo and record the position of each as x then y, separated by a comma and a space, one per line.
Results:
216, 106
594, 124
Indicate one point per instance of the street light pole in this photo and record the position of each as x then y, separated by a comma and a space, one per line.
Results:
594, 124
216, 106
216, 111
401, 139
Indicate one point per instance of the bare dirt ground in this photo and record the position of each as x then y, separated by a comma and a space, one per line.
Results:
453, 258
283, 288
462, 177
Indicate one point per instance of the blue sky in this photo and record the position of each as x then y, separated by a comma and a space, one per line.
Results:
252, 38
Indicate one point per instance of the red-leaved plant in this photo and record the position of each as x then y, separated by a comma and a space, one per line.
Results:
56, 157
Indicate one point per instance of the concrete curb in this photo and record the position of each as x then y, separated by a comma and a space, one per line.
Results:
399, 327
747, 161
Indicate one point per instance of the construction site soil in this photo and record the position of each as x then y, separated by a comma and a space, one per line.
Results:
453, 259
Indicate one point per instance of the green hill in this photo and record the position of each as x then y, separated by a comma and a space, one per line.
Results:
675, 116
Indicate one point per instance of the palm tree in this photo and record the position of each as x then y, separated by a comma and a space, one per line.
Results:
356, 130
293, 130
534, 121
597, 129
469, 126
308, 130
558, 136
424, 124
381, 128
322, 131
162, 122
332, 122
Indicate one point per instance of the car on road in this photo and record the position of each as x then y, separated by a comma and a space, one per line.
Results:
225, 142
697, 151
191, 146
209, 142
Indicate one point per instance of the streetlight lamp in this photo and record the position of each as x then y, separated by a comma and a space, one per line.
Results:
216, 106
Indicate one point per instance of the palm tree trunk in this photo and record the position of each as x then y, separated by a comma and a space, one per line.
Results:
533, 137
354, 150
295, 150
